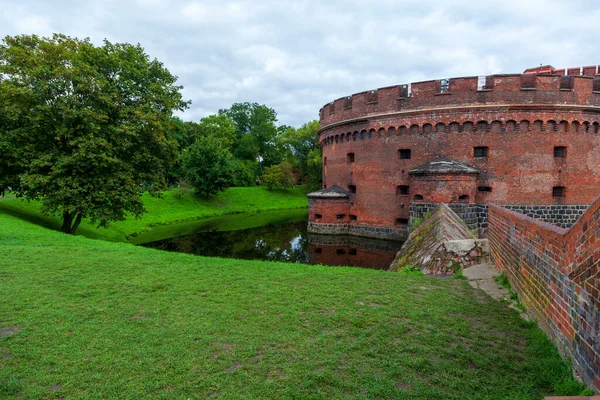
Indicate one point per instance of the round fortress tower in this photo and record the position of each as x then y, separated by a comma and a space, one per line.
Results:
524, 140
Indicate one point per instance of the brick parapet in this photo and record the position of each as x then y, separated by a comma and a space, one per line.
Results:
579, 87
556, 273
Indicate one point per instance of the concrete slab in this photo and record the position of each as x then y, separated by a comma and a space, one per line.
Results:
481, 276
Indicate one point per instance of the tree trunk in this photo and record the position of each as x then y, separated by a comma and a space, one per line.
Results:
76, 223
68, 225
67, 220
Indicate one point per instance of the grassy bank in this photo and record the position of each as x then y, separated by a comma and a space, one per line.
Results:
170, 208
87, 319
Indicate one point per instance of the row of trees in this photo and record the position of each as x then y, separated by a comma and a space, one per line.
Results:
243, 146
87, 129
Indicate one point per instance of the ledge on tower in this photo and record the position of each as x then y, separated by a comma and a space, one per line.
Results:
444, 165
332, 192
542, 69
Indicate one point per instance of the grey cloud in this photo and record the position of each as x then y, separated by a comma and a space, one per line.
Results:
297, 56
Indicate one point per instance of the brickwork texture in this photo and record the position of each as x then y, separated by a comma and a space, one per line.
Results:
556, 273
534, 137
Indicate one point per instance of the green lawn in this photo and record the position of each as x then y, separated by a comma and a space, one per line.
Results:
88, 319
170, 208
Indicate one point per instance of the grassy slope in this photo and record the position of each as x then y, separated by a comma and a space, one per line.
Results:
89, 319
170, 209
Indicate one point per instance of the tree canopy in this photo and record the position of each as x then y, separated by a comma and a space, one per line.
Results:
301, 145
208, 165
279, 175
85, 129
256, 132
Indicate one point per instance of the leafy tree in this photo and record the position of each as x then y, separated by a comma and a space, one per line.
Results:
279, 175
256, 131
288, 179
301, 150
192, 133
247, 116
85, 129
219, 126
272, 176
208, 166
244, 172
314, 169
179, 132
247, 149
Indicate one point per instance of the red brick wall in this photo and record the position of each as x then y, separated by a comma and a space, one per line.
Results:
445, 188
500, 89
556, 273
519, 121
329, 209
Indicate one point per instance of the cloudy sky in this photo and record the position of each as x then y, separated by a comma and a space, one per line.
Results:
295, 56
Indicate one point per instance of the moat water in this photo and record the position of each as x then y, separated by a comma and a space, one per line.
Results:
270, 236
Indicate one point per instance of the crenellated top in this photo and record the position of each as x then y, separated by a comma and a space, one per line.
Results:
541, 85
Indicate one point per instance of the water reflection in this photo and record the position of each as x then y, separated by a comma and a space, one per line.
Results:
281, 242
287, 242
351, 251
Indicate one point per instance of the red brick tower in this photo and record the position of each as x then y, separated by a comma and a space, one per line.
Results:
529, 141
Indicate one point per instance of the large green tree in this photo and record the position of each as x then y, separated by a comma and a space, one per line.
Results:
256, 132
279, 175
301, 149
220, 127
86, 129
208, 166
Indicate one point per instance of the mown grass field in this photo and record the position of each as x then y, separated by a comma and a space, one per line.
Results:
88, 319
169, 209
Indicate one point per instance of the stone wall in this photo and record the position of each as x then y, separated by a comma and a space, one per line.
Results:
556, 273
476, 215
353, 229
563, 216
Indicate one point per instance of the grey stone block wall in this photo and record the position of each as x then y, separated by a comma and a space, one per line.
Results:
358, 230
476, 215
563, 216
